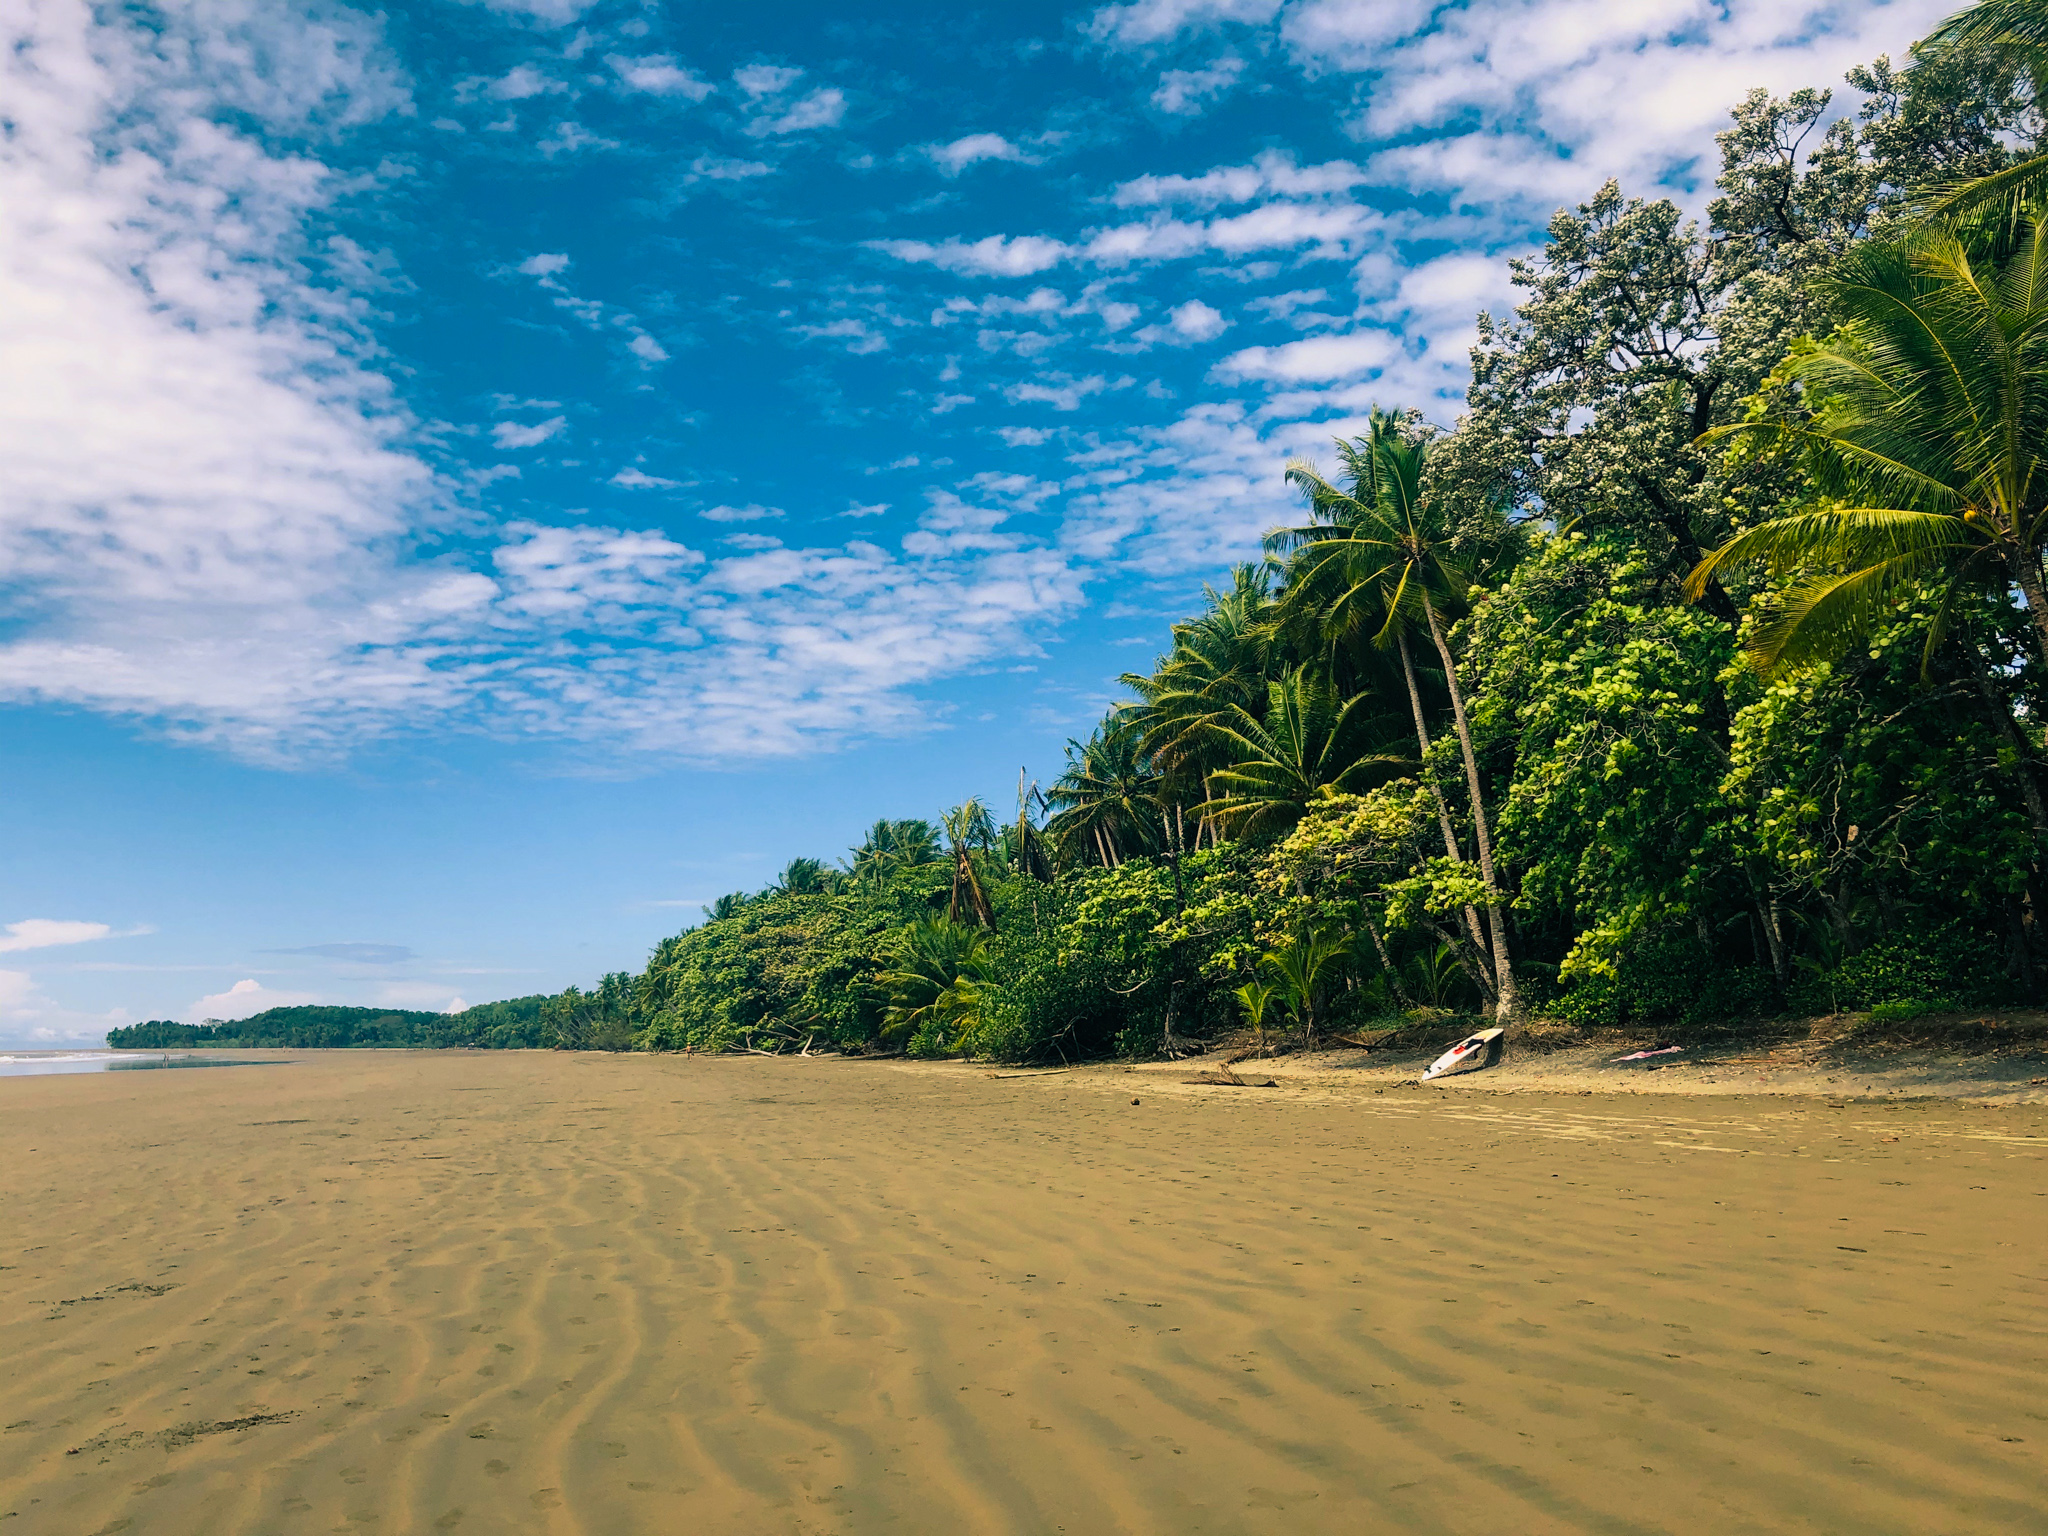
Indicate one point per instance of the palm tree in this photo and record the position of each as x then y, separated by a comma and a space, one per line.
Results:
935, 978
1107, 799
1307, 743
803, 877
1220, 659
1341, 588
970, 832
893, 846
1398, 561
1024, 844
2015, 31
1302, 970
1255, 998
1928, 411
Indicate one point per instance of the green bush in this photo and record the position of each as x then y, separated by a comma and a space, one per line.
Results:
1904, 1008
1669, 981
1942, 968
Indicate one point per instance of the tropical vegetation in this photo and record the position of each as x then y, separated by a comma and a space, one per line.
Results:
1696, 671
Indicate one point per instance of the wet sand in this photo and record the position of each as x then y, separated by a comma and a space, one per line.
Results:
405, 1293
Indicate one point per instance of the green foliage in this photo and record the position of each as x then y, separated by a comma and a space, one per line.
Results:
785, 968
937, 972
513, 1024
1943, 968
1668, 979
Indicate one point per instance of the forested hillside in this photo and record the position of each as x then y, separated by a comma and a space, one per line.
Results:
1696, 671
512, 1024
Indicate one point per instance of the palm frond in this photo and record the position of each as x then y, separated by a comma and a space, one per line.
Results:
1859, 535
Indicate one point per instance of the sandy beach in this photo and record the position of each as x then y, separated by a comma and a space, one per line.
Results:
524, 1292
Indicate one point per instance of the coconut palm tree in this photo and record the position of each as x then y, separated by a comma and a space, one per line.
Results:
1307, 742
1928, 412
1255, 998
1398, 561
935, 976
970, 834
1303, 969
2017, 32
1341, 592
893, 846
1024, 847
804, 877
1106, 802
1221, 659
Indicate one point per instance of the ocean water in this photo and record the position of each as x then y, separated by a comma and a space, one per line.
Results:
49, 1063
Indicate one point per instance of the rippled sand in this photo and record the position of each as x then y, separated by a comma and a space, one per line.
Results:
510, 1293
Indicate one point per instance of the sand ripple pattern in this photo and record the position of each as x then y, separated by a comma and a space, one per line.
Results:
589, 1295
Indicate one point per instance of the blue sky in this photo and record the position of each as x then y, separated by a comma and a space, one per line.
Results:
486, 478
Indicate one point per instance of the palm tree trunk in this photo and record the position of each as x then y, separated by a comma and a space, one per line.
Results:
1443, 810
2026, 568
1508, 1008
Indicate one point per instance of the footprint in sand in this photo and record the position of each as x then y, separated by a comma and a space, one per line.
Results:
548, 1498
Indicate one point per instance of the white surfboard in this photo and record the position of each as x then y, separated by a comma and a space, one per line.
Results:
1469, 1055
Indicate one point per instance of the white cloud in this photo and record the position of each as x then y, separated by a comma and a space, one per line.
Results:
751, 513
1271, 174
214, 506
995, 256
722, 168
639, 480
427, 996
872, 509
1354, 34
766, 79
1060, 391
568, 136
1630, 91
1196, 321
522, 82
859, 337
554, 13
822, 108
772, 112
45, 932
1315, 358
659, 75
514, 434
1188, 92
955, 157
647, 349
246, 997
1145, 22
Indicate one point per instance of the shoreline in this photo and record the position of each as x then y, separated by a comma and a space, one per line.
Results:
1974, 1057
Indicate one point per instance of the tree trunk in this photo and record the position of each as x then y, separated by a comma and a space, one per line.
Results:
1508, 1009
1386, 961
2026, 568
1769, 916
2001, 716
1443, 811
